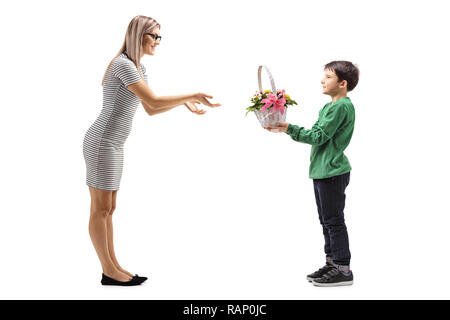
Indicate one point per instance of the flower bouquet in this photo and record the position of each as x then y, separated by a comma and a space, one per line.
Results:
270, 106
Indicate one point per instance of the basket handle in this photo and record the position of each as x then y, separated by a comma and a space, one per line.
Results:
270, 77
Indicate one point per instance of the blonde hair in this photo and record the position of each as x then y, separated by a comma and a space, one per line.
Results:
132, 45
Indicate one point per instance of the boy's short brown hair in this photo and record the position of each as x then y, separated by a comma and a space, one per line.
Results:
345, 70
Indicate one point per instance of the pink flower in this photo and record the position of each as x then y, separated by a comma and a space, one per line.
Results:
272, 100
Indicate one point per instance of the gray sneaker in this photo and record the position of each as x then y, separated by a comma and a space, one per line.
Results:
334, 278
319, 273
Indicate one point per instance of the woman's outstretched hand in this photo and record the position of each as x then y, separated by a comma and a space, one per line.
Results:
193, 108
203, 99
280, 127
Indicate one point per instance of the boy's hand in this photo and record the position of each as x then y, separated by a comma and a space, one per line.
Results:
281, 127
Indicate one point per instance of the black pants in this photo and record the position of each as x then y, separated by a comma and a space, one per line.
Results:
330, 199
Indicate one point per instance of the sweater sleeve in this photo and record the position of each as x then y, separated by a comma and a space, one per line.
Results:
324, 128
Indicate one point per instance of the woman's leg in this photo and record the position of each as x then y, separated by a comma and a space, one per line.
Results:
110, 232
101, 204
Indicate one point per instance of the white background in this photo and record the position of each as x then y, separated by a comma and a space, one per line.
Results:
213, 206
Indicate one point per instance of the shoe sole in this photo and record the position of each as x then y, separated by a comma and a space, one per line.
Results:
121, 285
337, 284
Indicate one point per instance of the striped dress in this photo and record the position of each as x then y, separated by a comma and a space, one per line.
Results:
104, 140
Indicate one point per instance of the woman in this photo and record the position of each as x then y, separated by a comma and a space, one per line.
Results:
124, 86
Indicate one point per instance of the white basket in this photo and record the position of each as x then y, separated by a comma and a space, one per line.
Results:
267, 118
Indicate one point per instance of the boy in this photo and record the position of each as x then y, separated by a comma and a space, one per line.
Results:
330, 168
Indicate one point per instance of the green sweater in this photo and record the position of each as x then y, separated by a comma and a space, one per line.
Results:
329, 137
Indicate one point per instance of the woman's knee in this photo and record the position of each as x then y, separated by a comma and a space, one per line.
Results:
113, 207
102, 203
101, 211
113, 202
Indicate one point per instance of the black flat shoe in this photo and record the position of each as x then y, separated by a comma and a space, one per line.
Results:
139, 279
107, 281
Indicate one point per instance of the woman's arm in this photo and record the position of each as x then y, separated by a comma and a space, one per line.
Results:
190, 105
143, 92
152, 111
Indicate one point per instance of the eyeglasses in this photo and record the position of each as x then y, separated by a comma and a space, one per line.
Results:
155, 37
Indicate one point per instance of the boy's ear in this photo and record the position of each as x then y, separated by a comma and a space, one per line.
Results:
343, 84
